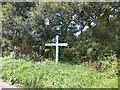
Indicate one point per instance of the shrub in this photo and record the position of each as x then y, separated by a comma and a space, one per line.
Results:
110, 64
82, 51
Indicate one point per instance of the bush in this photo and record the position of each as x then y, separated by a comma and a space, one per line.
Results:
110, 64
86, 50
82, 51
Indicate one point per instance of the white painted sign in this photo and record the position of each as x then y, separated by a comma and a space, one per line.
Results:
57, 44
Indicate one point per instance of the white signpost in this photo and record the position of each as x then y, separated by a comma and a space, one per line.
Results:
57, 44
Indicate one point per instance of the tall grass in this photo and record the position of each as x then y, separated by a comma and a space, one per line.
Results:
48, 74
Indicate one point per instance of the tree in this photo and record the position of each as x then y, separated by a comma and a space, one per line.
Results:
76, 23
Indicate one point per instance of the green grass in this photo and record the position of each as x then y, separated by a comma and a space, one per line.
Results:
48, 74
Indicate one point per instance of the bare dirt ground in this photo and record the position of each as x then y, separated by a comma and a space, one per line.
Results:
6, 85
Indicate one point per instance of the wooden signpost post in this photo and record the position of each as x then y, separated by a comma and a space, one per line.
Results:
57, 44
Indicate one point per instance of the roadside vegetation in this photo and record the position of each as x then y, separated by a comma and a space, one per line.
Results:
91, 30
48, 74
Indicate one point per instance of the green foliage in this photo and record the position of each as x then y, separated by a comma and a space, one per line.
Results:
88, 49
26, 22
111, 62
48, 74
23, 25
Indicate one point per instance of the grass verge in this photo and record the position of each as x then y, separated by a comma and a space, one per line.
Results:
48, 74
